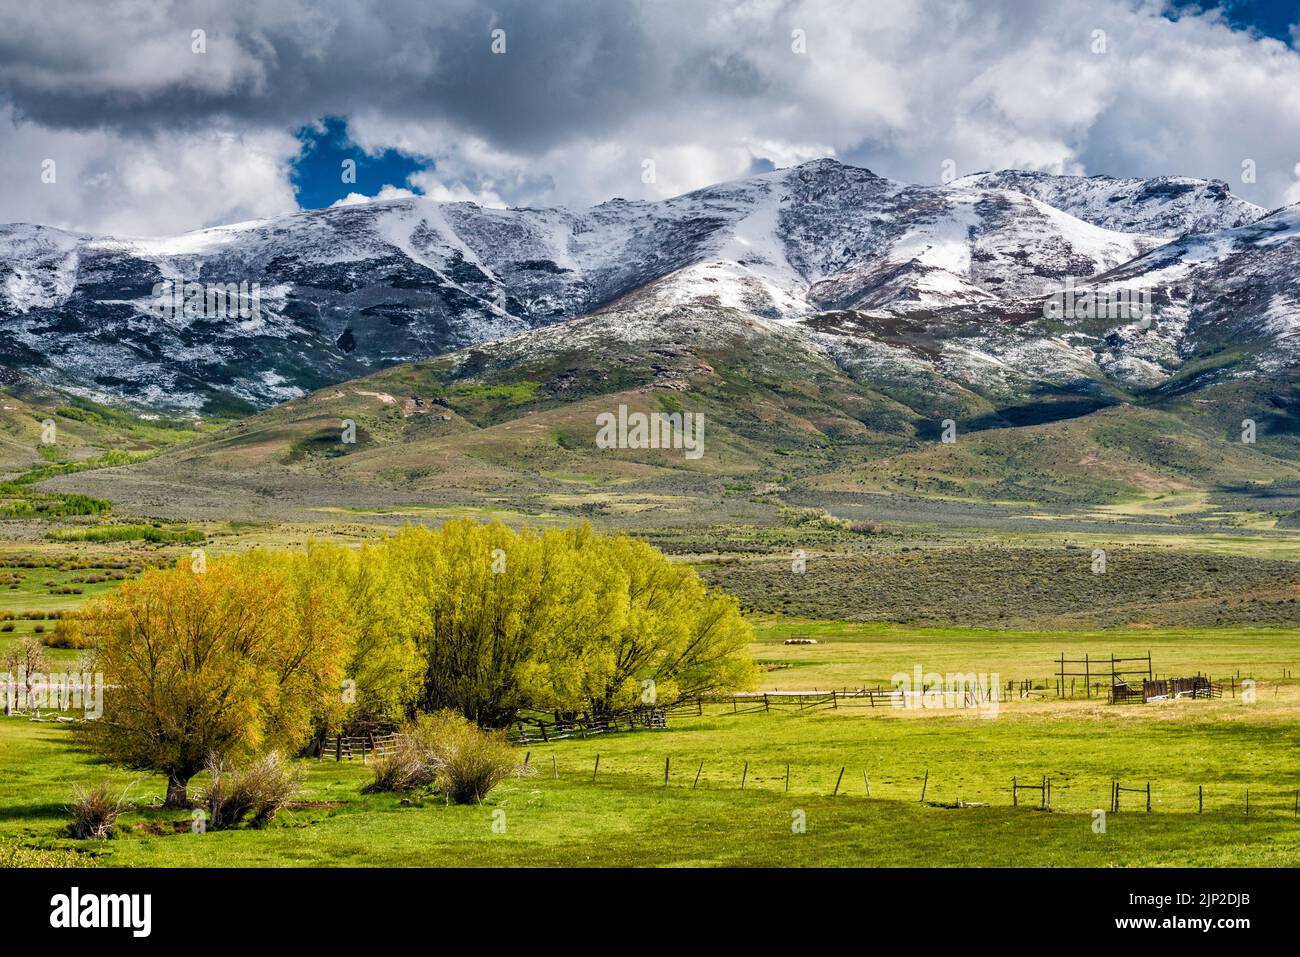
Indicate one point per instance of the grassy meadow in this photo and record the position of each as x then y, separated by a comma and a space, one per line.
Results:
623, 815
958, 574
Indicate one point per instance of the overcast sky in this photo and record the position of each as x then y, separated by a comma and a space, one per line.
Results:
150, 137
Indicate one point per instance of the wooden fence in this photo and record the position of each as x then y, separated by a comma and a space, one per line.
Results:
540, 731
1157, 689
1119, 670
1116, 790
743, 771
1044, 792
362, 747
749, 702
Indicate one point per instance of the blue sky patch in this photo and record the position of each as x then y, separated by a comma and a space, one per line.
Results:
318, 171
1272, 18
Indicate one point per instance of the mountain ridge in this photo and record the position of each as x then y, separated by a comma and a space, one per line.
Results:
351, 289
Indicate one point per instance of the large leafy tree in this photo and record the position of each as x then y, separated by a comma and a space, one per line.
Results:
480, 603
241, 658
565, 620
383, 670
660, 634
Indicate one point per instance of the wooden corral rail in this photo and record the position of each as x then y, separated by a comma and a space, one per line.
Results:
1156, 689
1115, 791
748, 702
1117, 669
1198, 686
1044, 792
528, 730
751, 702
346, 747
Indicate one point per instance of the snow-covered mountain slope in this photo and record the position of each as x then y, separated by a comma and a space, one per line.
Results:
345, 291
1166, 206
1235, 291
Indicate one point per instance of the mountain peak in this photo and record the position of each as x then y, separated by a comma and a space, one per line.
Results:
830, 165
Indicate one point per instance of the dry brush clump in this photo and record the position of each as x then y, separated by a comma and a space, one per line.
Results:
412, 766
449, 754
95, 811
255, 792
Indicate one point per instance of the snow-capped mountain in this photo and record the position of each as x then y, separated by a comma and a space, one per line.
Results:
1165, 206
884, 277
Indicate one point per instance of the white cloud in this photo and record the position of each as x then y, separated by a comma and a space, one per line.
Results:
586, 94
152, 186
1293, 191
385, 192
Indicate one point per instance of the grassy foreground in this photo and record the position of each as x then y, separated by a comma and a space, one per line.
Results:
623, 814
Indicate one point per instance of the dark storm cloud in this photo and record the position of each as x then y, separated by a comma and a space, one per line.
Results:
569, 66
588, 92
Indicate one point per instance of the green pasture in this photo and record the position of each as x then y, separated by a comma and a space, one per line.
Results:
622, 813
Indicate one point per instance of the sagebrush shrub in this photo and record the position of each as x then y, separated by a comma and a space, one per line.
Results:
255, 792
95, 812
450, 754
411, 767
472, 761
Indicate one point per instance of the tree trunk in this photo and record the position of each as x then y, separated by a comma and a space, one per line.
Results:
177, 794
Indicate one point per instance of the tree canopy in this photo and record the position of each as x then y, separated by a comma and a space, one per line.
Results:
562, 620
240, 658
261, 651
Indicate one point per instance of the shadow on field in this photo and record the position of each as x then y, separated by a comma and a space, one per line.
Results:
21, 812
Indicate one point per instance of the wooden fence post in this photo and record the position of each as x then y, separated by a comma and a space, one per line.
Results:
837, 782
597, 767
667, 758
744, 774
1015, 795
925, 784
787, 779
1200, 798
1148, 791
867, 782
555, 768
697, 776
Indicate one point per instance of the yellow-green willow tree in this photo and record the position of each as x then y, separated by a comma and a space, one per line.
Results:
659, 635
261, 651
565, 620
383, 672
238, 659
481, 603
